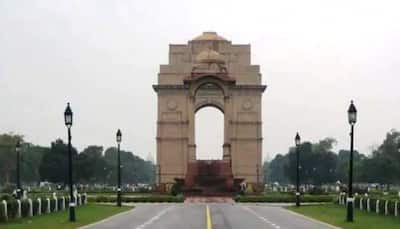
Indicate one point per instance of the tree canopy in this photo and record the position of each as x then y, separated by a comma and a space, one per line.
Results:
319, 164
92, 165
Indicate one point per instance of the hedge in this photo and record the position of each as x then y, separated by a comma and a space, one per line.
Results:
12, 207
285, 198
148, 199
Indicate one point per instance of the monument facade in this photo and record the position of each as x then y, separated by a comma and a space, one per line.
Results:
209, 71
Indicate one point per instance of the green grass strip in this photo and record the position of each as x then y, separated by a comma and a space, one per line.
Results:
86, 214
336, 215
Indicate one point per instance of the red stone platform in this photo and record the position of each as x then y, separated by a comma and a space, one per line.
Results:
208, 178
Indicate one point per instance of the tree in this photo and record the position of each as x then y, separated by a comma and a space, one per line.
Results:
90, 165
8, 155
317, 162
134, 168
54, 165
384, 165
31, 158
276, 170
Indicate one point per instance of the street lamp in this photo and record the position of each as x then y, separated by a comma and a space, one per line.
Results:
18, 150
68, 122
119, 139
352, 116
297, 142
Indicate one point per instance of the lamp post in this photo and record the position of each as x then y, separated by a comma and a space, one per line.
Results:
352, 116
68, 122
119, 139
297, 142
18, 150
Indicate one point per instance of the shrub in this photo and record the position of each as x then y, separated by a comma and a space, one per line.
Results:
66, 202
44, 206
398, 208
372, 204
382, 207
391, 206
52, 205
84, 200
365, 203
59, 203
3, 216
317, 191
176, 188
8, 189
149, 199
6, 197
12, 209
285, 198
35, 207
25, 208
357, 202
360, 190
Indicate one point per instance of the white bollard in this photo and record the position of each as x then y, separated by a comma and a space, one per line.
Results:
48, 205
368, 206
377, 207
39, 210
395, 209
86, 198
30, 213
79, 199
386, 208
343, 197
63, 203
361, 203
19, 209
75, 198
55, 204
5, 210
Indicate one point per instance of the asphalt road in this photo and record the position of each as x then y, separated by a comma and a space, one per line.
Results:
219, 216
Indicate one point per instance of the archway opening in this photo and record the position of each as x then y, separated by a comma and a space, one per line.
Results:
209, 135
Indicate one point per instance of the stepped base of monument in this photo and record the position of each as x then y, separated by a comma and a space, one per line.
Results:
209, 199
209, 178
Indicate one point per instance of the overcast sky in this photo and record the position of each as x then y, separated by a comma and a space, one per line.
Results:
103, 57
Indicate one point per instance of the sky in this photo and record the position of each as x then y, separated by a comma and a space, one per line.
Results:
103, 57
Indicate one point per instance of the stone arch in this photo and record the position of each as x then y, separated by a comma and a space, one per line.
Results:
240, 101
216, 105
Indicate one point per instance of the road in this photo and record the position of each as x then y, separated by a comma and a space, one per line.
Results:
208, 216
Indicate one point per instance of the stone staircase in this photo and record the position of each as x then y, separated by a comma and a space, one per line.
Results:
209, 178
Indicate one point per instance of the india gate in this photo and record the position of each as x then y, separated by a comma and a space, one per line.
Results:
209, 71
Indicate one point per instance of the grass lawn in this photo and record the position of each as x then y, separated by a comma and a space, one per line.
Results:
84, 215
336, 215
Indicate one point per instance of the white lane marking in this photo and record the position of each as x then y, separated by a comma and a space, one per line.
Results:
261, 218
154, 218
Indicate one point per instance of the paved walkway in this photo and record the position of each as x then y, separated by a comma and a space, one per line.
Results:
208, 216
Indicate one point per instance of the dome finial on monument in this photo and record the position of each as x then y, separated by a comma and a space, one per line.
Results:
209, 36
